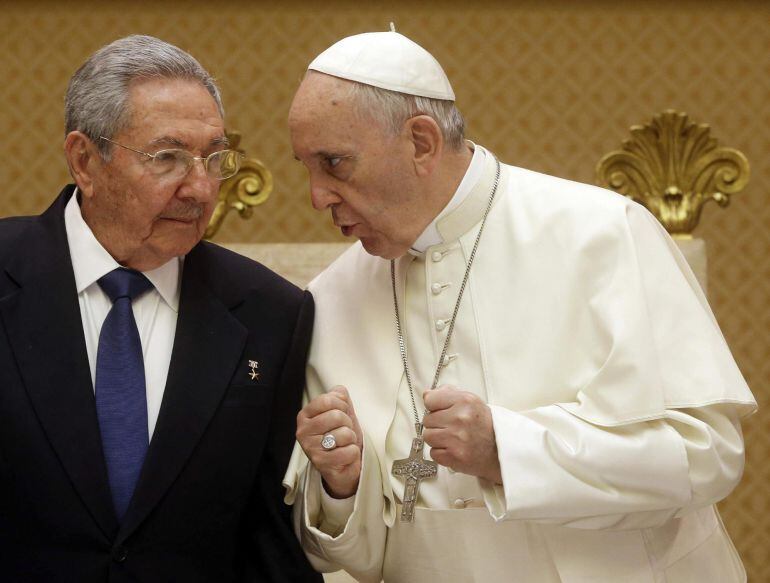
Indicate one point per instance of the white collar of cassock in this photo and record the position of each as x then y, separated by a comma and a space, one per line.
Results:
91, 261
431, 235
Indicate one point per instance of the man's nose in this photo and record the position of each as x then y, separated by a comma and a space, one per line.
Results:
322, 196
197, 183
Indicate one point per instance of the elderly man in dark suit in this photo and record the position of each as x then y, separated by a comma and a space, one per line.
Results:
149, 381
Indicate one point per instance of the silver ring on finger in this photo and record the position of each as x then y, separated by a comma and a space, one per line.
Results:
328, 442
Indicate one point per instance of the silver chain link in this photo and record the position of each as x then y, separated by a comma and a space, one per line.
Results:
399, 330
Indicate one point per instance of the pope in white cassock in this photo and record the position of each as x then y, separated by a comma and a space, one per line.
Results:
513, 377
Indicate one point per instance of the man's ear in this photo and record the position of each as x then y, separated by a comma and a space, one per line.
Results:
428, 142
83, 160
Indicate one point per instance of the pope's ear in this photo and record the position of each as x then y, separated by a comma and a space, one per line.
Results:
83, 160
428, 142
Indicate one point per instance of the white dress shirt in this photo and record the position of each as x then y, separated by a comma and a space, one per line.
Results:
155, 312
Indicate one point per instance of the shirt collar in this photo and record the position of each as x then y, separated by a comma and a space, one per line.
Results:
431, 235
91, 261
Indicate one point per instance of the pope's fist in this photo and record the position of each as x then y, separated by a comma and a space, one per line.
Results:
331, 437
460, 432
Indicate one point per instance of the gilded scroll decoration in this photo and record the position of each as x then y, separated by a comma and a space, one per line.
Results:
250, 187
673, 167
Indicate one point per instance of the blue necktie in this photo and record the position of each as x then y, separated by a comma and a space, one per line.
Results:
121, 401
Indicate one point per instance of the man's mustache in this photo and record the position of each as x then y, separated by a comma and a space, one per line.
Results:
188, 212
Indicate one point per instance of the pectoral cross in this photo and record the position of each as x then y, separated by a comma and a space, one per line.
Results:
415, 468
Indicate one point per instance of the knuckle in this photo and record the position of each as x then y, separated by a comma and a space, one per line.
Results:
301, 435
325, 402
341, 391
339, 418
348, 435
464, 416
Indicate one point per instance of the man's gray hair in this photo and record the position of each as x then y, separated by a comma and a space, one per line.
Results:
392, 109
96, 102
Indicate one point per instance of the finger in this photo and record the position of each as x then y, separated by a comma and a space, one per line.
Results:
337, 460
343, 393
438, 419
440, 398
439, 438
326, 422
441, 456
343, 436
340, 391
325, 402
356, 424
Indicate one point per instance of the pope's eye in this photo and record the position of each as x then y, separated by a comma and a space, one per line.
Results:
333, 161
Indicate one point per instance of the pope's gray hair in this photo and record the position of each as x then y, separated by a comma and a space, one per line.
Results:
391, 109
96, 102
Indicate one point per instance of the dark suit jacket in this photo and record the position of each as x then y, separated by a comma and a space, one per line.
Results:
208, 504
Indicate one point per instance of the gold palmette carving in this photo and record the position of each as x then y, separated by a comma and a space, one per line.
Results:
250, 187
673, 167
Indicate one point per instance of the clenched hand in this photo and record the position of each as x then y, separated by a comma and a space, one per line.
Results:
333, 413
460, 432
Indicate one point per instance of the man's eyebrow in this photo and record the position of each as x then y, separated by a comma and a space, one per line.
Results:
168, 140
177, 143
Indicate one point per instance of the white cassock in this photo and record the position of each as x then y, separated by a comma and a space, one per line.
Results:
615, 399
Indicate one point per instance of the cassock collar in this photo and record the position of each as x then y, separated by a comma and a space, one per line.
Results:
431, 235
91, 261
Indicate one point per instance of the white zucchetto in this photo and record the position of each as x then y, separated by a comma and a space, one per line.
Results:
387, 60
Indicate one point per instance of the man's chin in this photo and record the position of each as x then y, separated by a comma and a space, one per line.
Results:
162, 250
379, 248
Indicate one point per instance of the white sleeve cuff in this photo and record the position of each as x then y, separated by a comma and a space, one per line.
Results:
335, 512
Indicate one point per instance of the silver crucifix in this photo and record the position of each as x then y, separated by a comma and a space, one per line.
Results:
415, 468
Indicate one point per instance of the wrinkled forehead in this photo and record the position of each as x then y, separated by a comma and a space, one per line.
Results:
158, 106
321, 94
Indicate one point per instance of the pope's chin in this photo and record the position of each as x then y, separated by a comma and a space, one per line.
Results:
379, 248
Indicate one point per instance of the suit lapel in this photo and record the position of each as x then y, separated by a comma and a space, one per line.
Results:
42, 320
207, 346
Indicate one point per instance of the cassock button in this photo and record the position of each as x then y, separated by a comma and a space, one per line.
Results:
436, 288
119, 553
459, 504
440, 325
437, 256
447, 359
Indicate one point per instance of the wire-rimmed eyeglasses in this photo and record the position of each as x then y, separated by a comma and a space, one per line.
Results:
176, 163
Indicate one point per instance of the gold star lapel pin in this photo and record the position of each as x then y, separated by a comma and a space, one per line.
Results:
253, 366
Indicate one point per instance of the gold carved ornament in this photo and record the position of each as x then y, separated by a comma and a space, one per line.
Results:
673, 167
249, 187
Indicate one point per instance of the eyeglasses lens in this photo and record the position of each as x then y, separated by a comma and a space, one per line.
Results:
175, 163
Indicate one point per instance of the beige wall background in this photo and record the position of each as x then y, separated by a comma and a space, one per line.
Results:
547, 85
